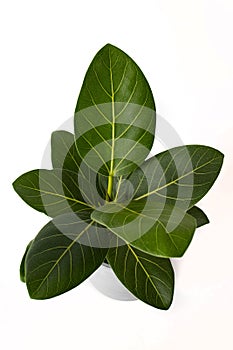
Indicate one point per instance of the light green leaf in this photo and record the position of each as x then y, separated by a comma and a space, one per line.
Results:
199, 215
149, 278
180, 176
52, 192
61, 142
150, 226
115, 115
64, 253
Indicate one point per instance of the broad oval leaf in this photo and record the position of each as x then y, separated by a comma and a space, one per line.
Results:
180, 176
52, 192
115, 113
152, 227
149, 278
64, 253
113, 72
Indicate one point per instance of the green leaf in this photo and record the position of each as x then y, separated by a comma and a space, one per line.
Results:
64, 253
61, 142
129, 151
52, 192
115, 115
199, 215
150, 226
113, 72
149, 278
180, 176
22, 265
124, 190
65, 156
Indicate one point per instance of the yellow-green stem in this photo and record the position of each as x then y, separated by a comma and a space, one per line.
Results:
110, 177
110, 185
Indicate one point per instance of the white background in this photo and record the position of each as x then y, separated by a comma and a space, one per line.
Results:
184, 47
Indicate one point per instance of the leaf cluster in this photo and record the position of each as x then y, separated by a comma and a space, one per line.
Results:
105, 200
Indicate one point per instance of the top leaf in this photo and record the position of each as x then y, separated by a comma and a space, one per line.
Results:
113, 72
115, 114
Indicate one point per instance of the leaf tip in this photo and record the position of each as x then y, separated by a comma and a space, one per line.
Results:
15, 184
109, 46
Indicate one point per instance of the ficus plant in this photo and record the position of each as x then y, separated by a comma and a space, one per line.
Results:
108, 203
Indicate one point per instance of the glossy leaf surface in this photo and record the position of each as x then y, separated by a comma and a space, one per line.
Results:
64, 253
115, 114
52, 192
180, 176
106, 201
159, 230
149, 278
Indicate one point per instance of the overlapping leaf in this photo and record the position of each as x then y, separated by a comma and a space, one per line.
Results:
65, 156
63, 254
198, 214
126, 188
149, 278
115, 114
128, 153
156, 229
61, 151
52, 192
180, 176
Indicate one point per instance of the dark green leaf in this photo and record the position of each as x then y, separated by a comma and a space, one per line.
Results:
180, 176
113, 72
150, 226
94, 147
199, 215
149, 278
65, 156
52, 192
64, 253
106, 200
115, 114
22, 265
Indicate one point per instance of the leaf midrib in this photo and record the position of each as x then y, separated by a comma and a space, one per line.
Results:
110, 177
57, 195
62, 255
174, 181
145, 271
